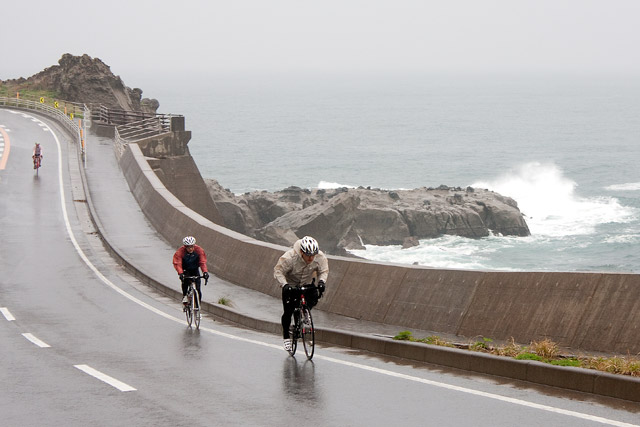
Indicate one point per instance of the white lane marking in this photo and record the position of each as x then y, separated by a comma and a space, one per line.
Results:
329, 359
105, 378
520, 402
7, 314
35, 340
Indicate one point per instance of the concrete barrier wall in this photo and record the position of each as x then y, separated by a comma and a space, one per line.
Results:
589, 311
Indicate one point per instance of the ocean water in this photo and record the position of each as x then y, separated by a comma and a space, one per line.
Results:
565, 148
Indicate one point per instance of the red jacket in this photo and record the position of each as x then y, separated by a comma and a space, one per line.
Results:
180, 254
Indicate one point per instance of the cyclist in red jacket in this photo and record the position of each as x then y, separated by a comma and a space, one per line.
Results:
187, 259
37, 154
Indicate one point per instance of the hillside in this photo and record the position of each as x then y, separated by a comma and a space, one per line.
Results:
82, 79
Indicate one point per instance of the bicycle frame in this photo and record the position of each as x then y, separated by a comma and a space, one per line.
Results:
302, 326
36, 163
193, 308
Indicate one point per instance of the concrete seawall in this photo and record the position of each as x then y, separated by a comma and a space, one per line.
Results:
588, 311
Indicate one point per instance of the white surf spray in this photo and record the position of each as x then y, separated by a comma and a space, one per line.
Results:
550, 204
325, 185
629, 186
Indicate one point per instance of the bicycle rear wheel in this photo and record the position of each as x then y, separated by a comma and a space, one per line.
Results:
196, 308
188, 309
308, 333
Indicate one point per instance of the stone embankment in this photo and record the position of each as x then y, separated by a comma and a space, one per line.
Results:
349, 218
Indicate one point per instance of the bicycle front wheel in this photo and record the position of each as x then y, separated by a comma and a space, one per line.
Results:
308, 333
196, 308
294, 338
188, 309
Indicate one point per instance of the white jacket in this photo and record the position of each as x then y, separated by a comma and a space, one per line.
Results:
292, 269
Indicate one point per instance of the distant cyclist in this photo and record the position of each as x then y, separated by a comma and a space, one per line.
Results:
37, 155
187, 260
299, 266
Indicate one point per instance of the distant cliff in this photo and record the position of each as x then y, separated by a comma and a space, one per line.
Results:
347, 218
85, 80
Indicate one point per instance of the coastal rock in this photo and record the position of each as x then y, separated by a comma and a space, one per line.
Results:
349, 218
86, 80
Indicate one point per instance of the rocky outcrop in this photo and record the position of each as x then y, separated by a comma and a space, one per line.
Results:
85, 80
348, 218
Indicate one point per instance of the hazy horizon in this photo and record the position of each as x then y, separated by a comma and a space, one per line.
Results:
141, 40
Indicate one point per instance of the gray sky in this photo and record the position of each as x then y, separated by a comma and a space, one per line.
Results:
138, 37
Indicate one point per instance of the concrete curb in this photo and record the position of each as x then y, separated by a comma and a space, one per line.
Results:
577, 379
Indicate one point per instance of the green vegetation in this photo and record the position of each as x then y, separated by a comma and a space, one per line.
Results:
46, 97
572, 361
433, 339
27, 93
529, 356
225, 301
481, 345
543, 351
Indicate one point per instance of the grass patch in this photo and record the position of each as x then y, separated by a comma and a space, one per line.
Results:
572, 361
529, 356
28, 93
546, 348
225, 301
483, 345
404, 336
545, 351
432, 339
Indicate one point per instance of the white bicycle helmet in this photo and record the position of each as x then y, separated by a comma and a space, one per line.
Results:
189, 241
309, 246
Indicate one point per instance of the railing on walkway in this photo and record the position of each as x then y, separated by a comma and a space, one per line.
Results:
75, 110
130, 126
135, 131
56, 113
112, 116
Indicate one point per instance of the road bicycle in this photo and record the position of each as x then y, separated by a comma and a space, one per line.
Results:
302, 325
192, 307
36, 163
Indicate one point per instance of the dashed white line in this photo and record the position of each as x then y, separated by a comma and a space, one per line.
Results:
35, 340
7, 314
105, 378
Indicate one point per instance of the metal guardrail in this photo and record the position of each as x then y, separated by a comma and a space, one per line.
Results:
70, 108
147, 126
130, 126
112, 116
135, 131
56, 113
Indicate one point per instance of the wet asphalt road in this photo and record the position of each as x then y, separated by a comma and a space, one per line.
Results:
85, 314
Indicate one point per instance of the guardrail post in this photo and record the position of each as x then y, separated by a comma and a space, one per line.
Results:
177, 123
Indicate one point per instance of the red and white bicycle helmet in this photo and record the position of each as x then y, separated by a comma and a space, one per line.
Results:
309, 246
189, 241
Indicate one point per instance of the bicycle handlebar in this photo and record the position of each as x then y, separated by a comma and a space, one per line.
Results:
206, 280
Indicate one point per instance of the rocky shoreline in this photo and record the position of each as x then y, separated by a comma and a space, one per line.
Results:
348, 218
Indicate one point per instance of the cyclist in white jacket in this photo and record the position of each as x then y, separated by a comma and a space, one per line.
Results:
299, 266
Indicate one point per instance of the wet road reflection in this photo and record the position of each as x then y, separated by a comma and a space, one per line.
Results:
299, 379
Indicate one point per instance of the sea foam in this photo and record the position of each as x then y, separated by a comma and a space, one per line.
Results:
630, 186
550, 204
